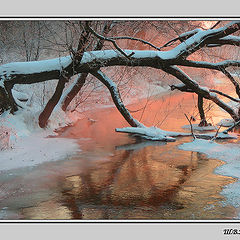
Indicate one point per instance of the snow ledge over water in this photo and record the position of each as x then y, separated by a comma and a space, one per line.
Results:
24, 144
36, 149
229, 153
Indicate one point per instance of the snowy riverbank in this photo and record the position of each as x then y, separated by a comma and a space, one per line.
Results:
230, 154
36, 149
23, 143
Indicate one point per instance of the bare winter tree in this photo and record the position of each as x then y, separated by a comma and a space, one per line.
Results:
84, 61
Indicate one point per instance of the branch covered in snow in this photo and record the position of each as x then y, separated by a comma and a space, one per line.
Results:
232, 127
92, 61
157, 134
183, 88
136, 39
229, 40
151, 133
209, 65
202, 91
32, 72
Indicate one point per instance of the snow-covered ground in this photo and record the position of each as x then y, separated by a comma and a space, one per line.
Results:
229, 153
23, 143
36, 149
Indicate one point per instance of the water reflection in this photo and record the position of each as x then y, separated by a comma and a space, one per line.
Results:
139, 144
117, 177
154, 182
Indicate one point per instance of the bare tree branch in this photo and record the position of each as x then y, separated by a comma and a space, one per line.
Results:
225, 95
136, 39
217, 23
112, 87
215, 137
204, 92
194, 137
110, 40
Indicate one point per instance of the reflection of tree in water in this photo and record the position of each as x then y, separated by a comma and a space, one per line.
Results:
88, 192
133, 179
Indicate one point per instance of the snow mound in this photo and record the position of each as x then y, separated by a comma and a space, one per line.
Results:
226, 122
196, 127
36, 149
157, 134
199, 145
151, 133
19, 95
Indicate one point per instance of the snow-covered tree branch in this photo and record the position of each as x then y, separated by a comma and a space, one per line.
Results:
82, 61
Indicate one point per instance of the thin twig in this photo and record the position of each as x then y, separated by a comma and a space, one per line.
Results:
216, 133
225, 95
190, 125
136, 39
215, 25
110, 40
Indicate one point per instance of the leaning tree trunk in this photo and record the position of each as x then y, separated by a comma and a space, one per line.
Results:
203, 121
77, 57
45, 114
74, 91
195, 87
82, 78
5, 103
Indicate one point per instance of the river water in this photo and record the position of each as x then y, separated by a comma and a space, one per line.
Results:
118, 177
